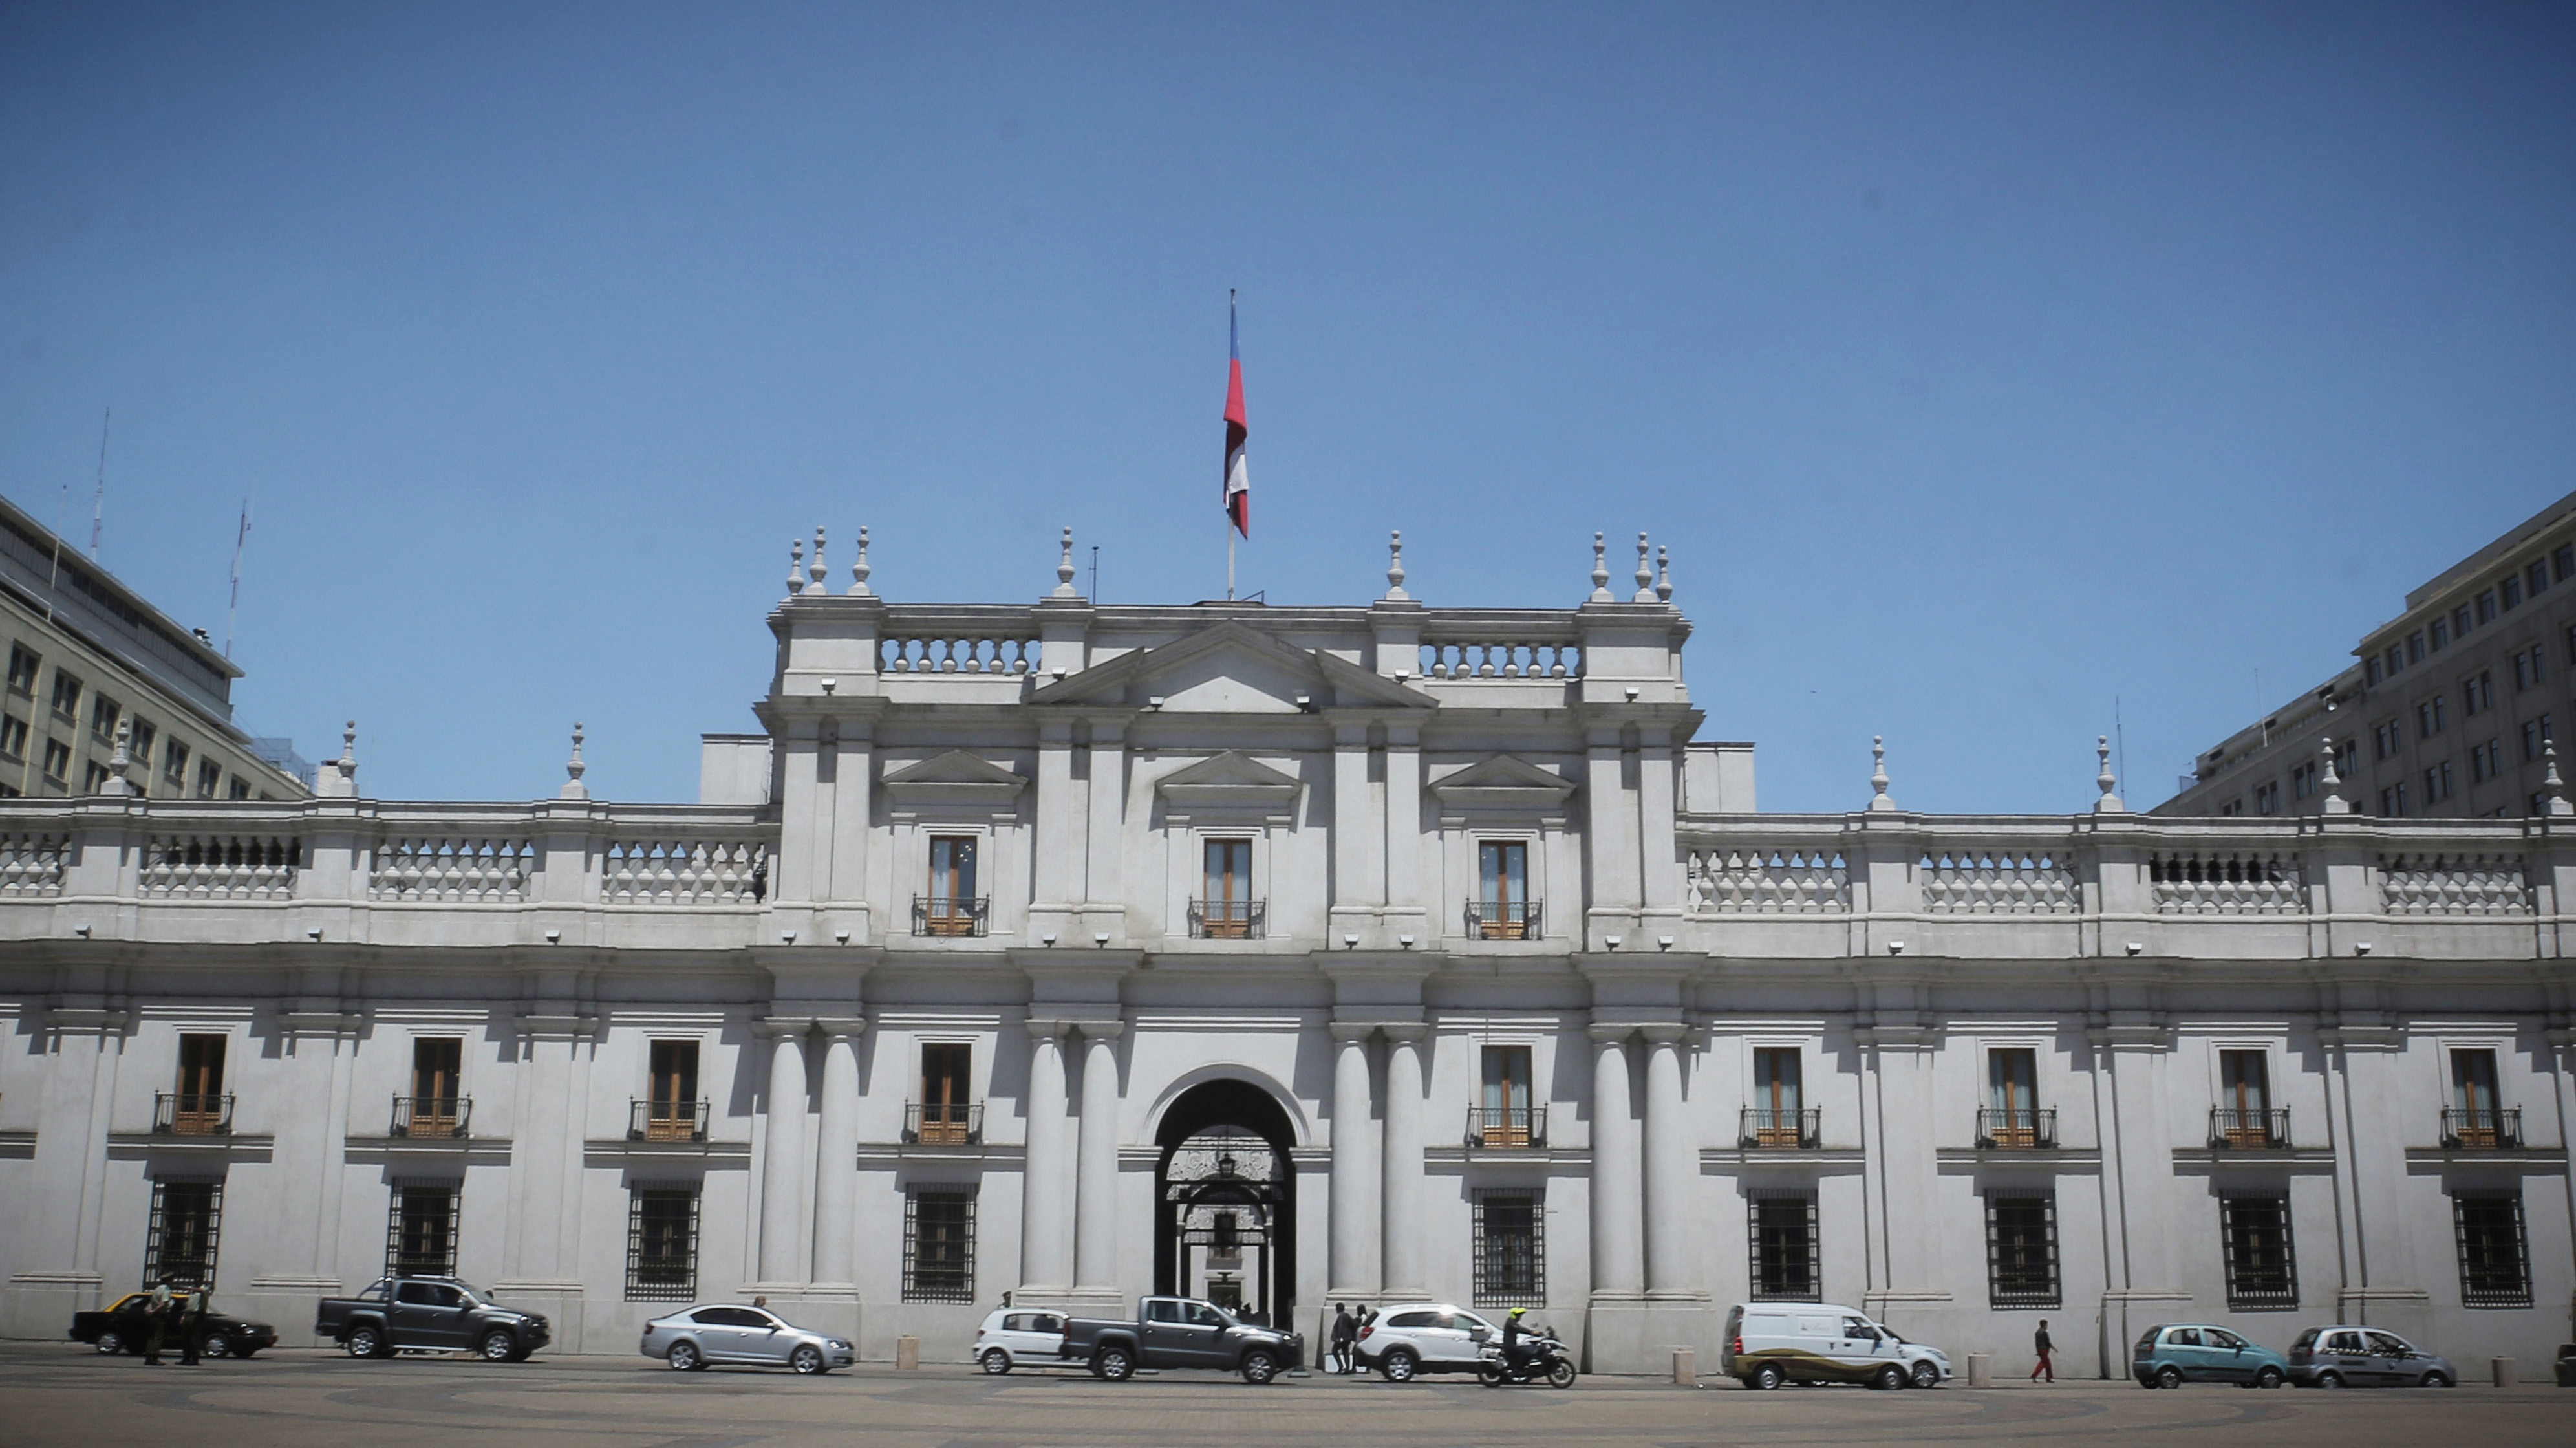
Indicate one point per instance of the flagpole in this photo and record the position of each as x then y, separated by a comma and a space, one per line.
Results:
1229, 560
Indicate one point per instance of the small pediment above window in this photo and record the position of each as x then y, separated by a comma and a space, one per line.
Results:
1232, 780
1501, 782
955, 777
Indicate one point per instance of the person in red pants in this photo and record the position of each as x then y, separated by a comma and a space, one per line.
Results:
2040, 1343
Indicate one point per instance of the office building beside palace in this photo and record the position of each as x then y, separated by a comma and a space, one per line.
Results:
1288, 955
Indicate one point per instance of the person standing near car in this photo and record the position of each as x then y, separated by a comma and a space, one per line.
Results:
1346, 1330
2039, 1343
156, 1322
192, 1328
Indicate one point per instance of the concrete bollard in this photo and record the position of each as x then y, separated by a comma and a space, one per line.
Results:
907, 1353
2500, 1371
1981, 1370
1685, 1368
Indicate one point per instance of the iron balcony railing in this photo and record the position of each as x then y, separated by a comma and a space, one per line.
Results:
1507, 1128
951, 914
190, 1113
1225, 919
944, 1123
428, 1116
2485, 1128
1779, 1128
2231, 1127
667, 1121
2019, 1128
1503, 920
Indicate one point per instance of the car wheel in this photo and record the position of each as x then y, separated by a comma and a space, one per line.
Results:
109, 1342
683, 1358
2329, 1380
367, 1342
807, 1360
1766, 1377
1560, 1374
216, 1345
1398, 1366
1114, 1363
1926, 1375
2436, 1380
2169, 1376
996, 1361
1888, 1379
1259, 1367
2268, 1378
498, 1345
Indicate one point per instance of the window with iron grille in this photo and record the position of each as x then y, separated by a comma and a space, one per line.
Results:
1784, 1246
662, 1244
420, 1230
2262, 1268
939, 1244
187, 1216
1511, 1248
2495, 1268
2021, 1248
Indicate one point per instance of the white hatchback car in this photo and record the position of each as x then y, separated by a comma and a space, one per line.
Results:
1423, 1337
1012, 1338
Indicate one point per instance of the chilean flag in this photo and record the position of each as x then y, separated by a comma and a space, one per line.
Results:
1238, 481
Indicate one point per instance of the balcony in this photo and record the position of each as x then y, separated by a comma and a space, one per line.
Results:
666, 1121
1507, 1128
951, 915
1503, 920
2020, 1128
2482, 1129
949, 1123
1225, 919
2230, 1127
182, 1113
428, 1117
1792, 1129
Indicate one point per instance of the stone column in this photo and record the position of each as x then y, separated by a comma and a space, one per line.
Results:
1043, 1238
782, 1179
1105, 894
1400, 1219
1095, 1209
58, 1262
852, 769
1404, 824
1617, 1265
1357, 891
1058, 846
1354, 1266
1670, 1166
836, 1167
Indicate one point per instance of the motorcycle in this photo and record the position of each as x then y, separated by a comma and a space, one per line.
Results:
1543, 1358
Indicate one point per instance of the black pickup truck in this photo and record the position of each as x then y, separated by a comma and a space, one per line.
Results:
428, 1314
1180, 1332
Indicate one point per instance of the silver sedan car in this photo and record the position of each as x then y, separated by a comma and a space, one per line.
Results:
753, 1336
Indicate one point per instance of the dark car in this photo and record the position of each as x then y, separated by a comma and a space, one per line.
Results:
429, 1314
120, 1327
1181, 1332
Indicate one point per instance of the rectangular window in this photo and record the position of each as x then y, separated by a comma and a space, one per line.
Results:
2431, 716
2347, 758
673, 1113
210, 775
141, 752
93, 778
2478, 693
1502, 890
2396, 660
952, 907
2495, 1267
23, 664
2244, 1099
239, 789
1784, 1245
939, 1244
2487, 607
13, 737
58, 762
437, 1102
420, 1232
2303, 780
2509, 592
1505, 1119
2535, 732
174, 766
2460, 622
2437, 781
2021, 1248
1779, 1106
2262, 1270
946, 1088
2535, 579
103, 714
2415, 647
2011, 1098
662, 1244
67, 695
1511, 1249
2267, 798
1226, 910
2386, 739
2529, 667
2370, 671
179, 1245
2441, 633
199, 1107
2477, 1119
2562, 561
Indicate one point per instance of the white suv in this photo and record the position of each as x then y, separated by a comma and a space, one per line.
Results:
1423, 1337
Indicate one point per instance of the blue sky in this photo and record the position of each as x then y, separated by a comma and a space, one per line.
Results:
1980, 364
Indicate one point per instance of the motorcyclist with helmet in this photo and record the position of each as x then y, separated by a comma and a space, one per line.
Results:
1514, 1355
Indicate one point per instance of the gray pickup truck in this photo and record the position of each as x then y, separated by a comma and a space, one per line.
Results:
1180, 1332
428, 1314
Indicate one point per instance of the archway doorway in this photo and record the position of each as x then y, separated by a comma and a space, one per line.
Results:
1225, 1225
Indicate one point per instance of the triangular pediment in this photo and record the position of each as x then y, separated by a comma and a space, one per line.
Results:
1230, 668
1232, 780
1499, 781
955, 776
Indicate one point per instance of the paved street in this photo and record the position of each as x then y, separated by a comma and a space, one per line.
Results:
302, 1399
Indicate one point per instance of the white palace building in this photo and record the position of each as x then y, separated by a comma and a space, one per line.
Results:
1286, 955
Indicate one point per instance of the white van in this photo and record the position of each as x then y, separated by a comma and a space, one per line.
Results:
1769, 1343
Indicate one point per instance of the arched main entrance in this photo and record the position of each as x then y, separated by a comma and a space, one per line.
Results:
1225, 1224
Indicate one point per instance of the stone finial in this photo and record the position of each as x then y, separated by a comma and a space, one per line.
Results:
1395, 568
1645, 573
1600, 573
2331, 786
859, 570
121, 763
2109, 803
795, 566
574, 768
1064, 569
1663, 574
818, 572
338, 778
2552, 788
1878, 773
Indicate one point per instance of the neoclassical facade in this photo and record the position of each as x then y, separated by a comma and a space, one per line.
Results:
1287, 955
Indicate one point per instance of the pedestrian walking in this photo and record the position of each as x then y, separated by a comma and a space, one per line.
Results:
156, 1322
2040, 1343
192, 1328
1346, 1330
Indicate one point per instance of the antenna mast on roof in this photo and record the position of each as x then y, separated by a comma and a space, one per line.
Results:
98, 508
233, 609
